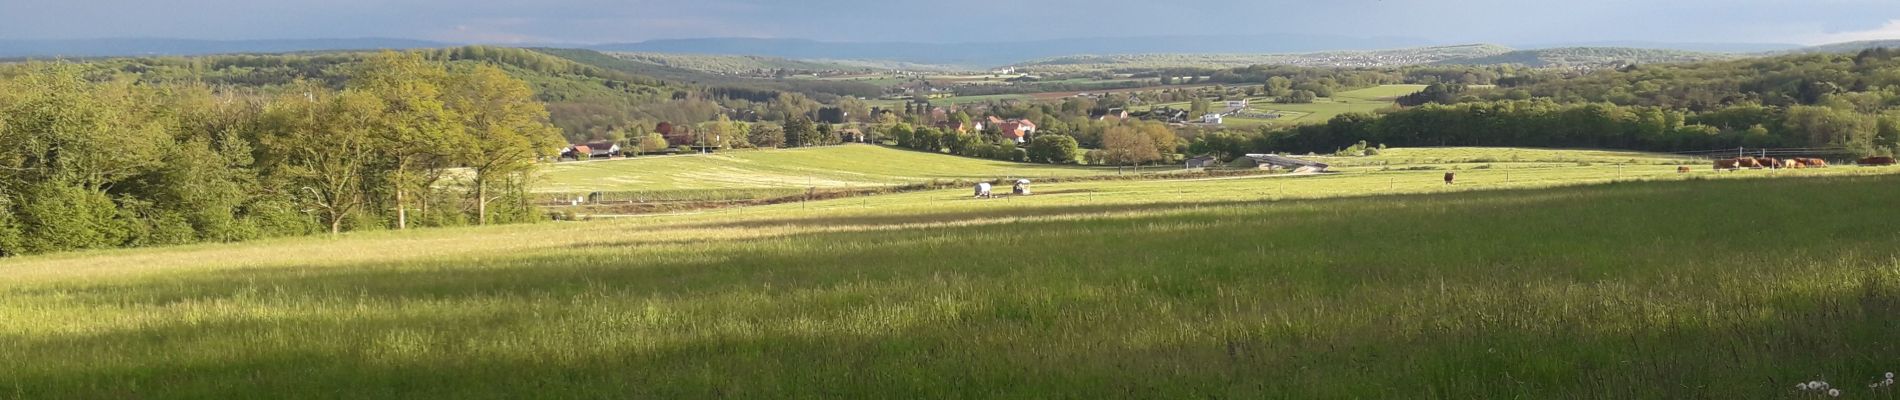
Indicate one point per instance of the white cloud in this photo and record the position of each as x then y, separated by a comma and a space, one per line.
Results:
1889, 31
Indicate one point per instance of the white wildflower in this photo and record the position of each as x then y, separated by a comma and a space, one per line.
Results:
1834, 392
1889, 375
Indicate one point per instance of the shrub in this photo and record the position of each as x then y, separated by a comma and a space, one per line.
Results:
59, 217
1053, 149
10, 234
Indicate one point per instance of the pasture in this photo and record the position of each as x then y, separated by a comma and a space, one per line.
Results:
1542, 278
824, 167
1321, 110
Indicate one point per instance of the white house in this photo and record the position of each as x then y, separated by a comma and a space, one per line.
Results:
602, 149
1211, 118
1236, 104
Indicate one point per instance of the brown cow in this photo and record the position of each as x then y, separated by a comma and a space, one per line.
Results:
1876, 161
1748, 162
1729, 164
1769, 162
1682, 169
1791, 163
1813, 162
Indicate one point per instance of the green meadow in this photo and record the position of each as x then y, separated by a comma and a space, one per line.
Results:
1321, 110
825, 167
1554, 274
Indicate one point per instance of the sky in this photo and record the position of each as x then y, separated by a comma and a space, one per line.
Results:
950, 21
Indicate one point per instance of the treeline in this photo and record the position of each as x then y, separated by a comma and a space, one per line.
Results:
1863, 82
1128, 142
823, 90
1545, 123
97, 161
586, 101
1055, 86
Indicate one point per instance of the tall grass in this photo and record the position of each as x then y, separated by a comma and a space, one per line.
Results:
1688, 289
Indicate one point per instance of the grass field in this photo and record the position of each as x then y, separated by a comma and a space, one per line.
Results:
824, 167
955, 100
1619, 279
1321, 110
1382, 92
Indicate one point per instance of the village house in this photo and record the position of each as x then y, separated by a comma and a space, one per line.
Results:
576, 151
1202, 162
1211, 119
954, 126
1166, 114
1112, 114
599, 149
1017, 129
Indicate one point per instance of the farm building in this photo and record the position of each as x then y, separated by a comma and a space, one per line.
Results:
1018, 129
1202, 162
1211, 119
600, 149
1166, 114
958, 127
1279, 162
576, 152
1111, 114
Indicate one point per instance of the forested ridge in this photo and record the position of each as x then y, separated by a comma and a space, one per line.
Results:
1846, 101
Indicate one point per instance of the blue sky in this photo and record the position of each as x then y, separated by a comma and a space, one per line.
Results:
600, 21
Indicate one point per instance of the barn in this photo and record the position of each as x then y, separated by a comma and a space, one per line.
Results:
1202, 162
1280, 163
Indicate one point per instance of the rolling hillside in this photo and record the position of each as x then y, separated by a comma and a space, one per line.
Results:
982, 55
1378, 58
824, 167
728, 64
1476, 54
1246, 288
1849, 47
1590, 56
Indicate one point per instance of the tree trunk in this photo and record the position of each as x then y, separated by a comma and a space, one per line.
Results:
481, 200
336, 224
402, 209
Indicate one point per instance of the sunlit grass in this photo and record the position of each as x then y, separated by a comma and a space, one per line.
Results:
825, 167
1588, 282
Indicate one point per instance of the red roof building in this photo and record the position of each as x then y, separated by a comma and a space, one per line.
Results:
1018, 129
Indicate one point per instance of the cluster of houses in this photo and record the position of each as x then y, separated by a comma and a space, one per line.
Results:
1016, 129
594, 149
1231, 108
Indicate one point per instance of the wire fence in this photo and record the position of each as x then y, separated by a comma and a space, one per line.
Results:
630, 203
1826, 153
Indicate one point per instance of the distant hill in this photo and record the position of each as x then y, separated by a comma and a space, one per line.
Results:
1591, 56
1740, 48
1849, 47
117, 47
729, 64
1374, 58
983, 55
633, 65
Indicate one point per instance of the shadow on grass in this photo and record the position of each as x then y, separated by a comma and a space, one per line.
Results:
1641, 290
1841, 337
